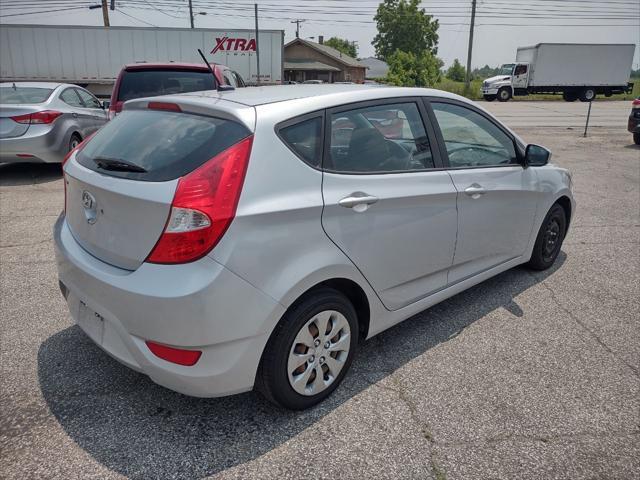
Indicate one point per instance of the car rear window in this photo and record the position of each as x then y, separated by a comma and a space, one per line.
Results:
24, 95
167, 145
150, 83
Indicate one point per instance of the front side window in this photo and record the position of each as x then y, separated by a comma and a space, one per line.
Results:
380, 138
70, 97
521, 70
89, 100
305, 139
471, 139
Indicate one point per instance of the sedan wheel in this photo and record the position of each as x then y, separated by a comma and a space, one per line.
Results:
309, 351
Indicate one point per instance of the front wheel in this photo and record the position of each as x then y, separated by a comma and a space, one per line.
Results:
309, 351
74, 141
636, 138
504, 94
549, 239
489, 98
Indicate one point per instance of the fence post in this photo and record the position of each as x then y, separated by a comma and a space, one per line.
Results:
586, 126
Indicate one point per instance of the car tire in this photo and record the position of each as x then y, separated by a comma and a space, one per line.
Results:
74, 141
636, 138
549, 239
298, 341
569, 96
489, 98
504, 94
587, 94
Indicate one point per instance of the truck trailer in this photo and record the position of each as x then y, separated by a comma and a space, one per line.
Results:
93, 56
577, 71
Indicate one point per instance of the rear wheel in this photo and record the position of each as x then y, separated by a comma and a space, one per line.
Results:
587, 94
74, 141
489, 98
504, 94
310, 350
636, 138
569, 96
549, 239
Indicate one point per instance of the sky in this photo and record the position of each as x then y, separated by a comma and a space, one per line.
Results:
501, 25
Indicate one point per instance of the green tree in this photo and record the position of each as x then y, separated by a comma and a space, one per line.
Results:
402, 25
456, 72
343, 45
409, 70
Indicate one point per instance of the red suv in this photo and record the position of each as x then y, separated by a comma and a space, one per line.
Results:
139, 80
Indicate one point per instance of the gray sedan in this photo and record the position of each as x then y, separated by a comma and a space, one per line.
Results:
42, 122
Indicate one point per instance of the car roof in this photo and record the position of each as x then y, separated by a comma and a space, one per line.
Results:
335, 94
52, 85
167, 66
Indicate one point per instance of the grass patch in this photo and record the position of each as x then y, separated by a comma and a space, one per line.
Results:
458, 88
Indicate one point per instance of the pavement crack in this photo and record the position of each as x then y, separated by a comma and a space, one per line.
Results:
436, 469
584, 327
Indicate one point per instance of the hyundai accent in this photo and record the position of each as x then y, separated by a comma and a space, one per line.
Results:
224, 241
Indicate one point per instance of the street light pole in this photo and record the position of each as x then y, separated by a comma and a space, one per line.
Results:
467, 77
105, 13
191, 13
255, 5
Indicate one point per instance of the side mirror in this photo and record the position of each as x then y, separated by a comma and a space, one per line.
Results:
536, 156
105, 104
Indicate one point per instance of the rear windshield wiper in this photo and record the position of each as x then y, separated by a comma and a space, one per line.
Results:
117, 164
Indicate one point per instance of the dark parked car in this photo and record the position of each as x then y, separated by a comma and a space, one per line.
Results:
634, 121
152, 79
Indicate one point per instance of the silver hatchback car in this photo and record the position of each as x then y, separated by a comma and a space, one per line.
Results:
42, 121
221, 241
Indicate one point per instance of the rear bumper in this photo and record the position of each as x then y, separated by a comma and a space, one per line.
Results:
42, 142
633, 126
201, 306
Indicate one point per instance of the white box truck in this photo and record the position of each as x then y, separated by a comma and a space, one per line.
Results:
577, 71
93, 56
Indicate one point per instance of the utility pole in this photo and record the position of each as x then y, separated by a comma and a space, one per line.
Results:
255, 5
105, 13
298, 22
191, 13
113, 5
467, 77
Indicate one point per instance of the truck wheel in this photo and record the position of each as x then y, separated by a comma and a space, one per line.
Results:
504, 94
569, 96
489, 98
587, 95
636, 138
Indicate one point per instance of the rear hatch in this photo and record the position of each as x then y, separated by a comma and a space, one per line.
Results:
121, 184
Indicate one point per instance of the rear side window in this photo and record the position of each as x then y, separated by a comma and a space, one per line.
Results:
305, 139
24, 95
166, 145
150, 83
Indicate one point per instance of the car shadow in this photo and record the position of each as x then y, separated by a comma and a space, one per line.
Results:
14, 174
139, 429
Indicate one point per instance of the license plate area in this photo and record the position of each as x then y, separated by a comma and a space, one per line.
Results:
91, 323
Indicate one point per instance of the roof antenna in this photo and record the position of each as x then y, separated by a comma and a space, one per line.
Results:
218, 85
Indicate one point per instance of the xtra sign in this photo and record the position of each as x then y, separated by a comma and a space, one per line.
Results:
234, 44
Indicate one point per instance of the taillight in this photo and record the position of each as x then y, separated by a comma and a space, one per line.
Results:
636, 103
180, 356
203, 207
37, 118
168, 106
114, 109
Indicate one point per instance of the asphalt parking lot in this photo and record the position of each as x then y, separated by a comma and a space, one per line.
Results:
528, 375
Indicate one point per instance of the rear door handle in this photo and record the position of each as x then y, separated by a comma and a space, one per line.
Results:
475, 190
358, 201
75, 115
